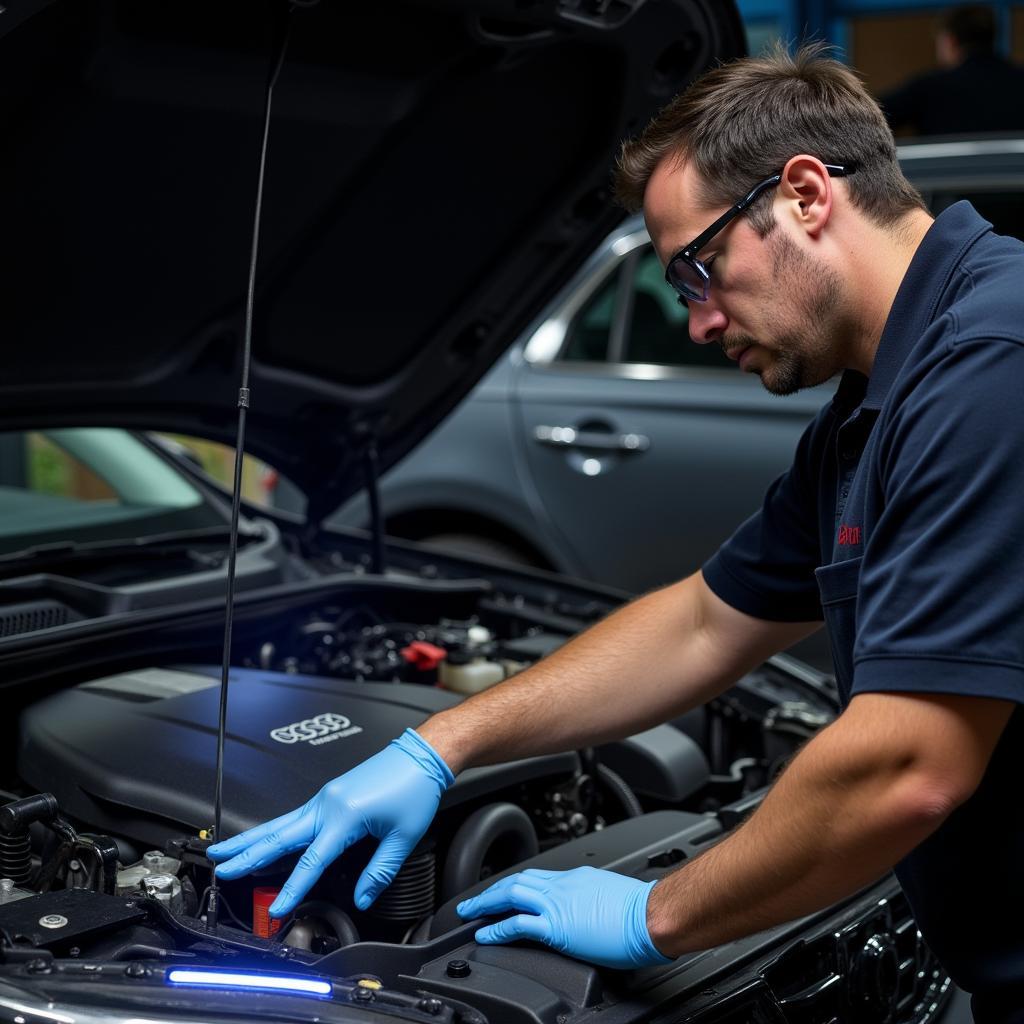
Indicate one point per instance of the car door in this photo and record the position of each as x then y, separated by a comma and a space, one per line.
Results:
645, 449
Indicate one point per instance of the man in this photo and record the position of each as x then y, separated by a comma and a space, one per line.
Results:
974, 89
773, 197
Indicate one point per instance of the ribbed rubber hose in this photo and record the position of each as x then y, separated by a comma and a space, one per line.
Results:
620, 790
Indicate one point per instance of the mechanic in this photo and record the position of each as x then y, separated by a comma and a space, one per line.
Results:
773, 196
974, 89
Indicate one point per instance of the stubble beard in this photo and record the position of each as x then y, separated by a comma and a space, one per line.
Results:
802, 354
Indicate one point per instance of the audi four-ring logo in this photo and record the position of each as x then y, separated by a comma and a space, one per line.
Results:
321, 729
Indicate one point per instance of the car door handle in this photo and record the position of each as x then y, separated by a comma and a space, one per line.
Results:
570, 437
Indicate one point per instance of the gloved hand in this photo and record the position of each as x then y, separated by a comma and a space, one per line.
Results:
590, 914
392, 795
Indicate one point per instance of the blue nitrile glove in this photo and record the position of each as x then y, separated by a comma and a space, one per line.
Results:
392, 795
593, 915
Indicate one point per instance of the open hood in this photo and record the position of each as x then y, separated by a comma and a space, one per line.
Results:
436, 171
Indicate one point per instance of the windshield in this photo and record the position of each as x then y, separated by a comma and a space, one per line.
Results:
89, 484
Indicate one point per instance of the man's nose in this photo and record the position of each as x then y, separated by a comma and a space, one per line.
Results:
707, 322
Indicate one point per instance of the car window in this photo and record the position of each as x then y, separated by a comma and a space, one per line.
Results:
589, 331
46, 468
90, 483
262, 484
657, 328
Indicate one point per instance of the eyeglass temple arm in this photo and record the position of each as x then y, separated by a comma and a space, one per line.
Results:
698, 243
834, 170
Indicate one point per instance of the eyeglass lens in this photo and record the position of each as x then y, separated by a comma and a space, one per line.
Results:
687, 280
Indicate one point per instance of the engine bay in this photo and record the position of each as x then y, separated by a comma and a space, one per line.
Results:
127, 761
103, 872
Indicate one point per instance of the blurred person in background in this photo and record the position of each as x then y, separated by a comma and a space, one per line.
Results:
973, 90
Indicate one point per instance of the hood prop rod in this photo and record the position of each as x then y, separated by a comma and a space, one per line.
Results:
371, 467
213, 904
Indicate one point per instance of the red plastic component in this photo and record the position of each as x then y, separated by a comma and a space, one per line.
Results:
263, 924
424, 656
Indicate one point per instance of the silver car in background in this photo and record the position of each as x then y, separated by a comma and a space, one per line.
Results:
607, 445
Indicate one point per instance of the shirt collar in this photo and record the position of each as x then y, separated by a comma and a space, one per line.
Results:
849, 394
916, 305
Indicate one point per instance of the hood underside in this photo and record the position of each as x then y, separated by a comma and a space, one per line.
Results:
435, 172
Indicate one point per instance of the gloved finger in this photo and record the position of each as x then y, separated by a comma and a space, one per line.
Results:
274, 845
537, 873
236, 844
500, 898
319, 854
530, 878
522, 926
384, 865
470, 907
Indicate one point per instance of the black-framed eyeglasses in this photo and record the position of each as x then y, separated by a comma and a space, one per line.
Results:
687, 274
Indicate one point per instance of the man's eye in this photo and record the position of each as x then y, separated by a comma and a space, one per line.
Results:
710, 262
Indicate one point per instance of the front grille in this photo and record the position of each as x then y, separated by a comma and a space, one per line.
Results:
873, 970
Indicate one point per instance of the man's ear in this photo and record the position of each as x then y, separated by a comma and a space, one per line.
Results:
806, 188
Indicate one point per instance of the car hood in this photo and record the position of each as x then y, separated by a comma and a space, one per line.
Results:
436, 171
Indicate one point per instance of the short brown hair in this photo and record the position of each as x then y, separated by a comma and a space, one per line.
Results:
741, 122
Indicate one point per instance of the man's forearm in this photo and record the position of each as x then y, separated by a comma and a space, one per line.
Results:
840, 816
653, 659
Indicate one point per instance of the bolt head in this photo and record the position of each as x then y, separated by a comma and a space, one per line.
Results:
458, 969
53, 921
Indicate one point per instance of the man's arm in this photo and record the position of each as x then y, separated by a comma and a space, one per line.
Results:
660, 655
859, 797
656, 658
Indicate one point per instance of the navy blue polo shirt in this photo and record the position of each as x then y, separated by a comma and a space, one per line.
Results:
901, 523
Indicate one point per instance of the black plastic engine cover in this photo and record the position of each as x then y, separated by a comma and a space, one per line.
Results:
134, 754
57, 920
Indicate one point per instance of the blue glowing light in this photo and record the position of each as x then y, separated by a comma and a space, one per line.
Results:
292, 984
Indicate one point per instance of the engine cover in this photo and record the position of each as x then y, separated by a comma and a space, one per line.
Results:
134, 754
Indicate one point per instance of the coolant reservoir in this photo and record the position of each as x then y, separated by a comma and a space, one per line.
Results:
477, 635
470, 676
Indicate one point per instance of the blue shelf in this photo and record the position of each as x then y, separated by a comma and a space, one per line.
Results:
827, 19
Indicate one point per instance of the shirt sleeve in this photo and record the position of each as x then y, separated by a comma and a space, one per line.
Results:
766, 569
940, 605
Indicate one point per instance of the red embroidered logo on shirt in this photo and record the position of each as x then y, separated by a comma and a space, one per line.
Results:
849, 535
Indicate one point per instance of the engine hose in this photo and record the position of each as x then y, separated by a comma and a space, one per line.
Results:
340, 922
142, 951
15, 842
620, 790
475, 839
16, 857
411, 893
